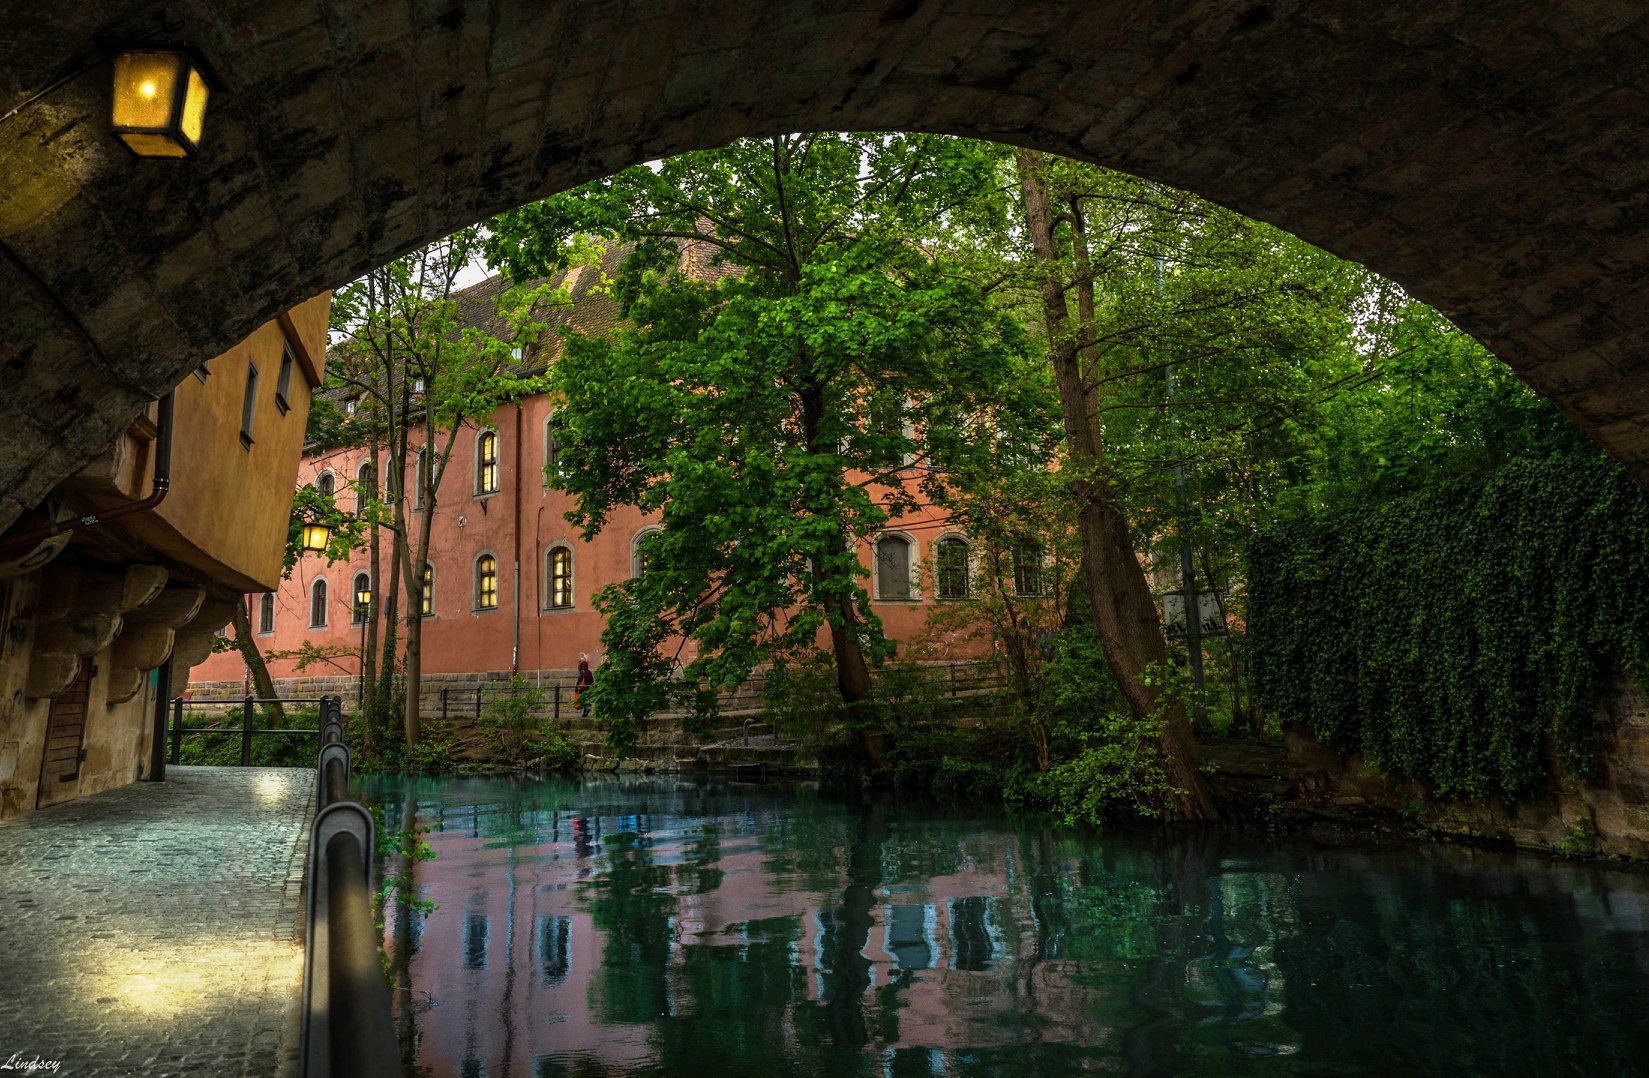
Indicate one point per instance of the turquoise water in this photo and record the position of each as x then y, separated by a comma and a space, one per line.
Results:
663, 927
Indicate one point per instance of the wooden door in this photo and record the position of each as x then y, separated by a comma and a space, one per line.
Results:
65, 736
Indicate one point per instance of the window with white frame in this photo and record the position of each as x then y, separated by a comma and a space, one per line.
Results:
317, 603
638, 552
486, 582
486, 462
558, 576
357, 609
326, 484
1027, 567
950, 568
893, 567
553, 446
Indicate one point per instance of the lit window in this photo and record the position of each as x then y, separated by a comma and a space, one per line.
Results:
951, 568
486, 463
892, 567
561, 578
426, 596
317, 604
266, 614
283, 381
486, 582
1027, 568
248, 404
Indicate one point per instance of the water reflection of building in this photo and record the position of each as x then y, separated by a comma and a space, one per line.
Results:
667, 929
600, 938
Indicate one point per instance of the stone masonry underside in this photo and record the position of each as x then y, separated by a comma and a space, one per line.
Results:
1489, 156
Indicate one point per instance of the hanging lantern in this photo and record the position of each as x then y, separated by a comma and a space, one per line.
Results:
159, 107
363, 597
315, 537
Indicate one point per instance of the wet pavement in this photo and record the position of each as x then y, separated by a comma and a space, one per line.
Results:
154, 929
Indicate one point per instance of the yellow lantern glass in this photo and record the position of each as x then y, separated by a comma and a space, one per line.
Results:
315, 538
363, 596
160, 99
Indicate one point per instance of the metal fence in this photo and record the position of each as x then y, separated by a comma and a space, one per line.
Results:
247, 727
347, 1026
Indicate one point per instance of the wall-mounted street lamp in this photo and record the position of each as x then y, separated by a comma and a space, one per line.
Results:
315, 537
160, 96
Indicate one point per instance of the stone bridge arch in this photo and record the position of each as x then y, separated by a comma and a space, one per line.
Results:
1490, 156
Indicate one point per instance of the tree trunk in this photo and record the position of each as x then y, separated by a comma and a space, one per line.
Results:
853, 680
1125, 616
254, 662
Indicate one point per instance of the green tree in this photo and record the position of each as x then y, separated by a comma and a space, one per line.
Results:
419, 370
776, 409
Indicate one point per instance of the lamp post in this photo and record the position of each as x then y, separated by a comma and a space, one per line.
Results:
363, 604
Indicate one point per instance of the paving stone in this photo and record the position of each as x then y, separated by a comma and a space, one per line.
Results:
152, 928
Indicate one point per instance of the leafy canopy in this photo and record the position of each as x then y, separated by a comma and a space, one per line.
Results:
806, 354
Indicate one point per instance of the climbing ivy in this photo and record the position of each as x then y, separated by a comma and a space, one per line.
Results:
1461, 636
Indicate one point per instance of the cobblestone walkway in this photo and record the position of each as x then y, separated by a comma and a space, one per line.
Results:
151, 929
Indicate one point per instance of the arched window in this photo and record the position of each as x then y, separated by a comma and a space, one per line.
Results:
486, 582
317, 603
638, 556
358, 609
326, 484
426, 595
366, 484
1027, 567
420, 479
950, 568
552, 449
558, 573
893, 567
486, 462
266, 613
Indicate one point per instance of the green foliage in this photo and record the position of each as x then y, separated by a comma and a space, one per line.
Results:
1103, 764
1460, 636
521, 732
766, 415
1579, 838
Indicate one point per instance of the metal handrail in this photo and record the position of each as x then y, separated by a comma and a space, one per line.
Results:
347, 1026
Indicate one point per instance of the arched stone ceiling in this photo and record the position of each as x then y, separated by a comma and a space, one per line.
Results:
1490, 156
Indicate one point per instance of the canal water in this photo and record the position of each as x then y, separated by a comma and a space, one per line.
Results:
713, 928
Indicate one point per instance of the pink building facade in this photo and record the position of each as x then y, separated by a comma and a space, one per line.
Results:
512, 582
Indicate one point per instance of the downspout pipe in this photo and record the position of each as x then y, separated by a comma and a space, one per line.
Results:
162, 484
515, 534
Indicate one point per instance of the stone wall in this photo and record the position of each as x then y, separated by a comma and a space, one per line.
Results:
1609, 815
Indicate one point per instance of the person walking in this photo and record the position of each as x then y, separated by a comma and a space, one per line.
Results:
585, 679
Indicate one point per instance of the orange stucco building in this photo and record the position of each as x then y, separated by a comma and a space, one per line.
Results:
130, 566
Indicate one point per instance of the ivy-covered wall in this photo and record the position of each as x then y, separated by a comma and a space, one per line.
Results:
1461, 636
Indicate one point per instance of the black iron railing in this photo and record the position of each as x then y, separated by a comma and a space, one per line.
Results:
247, 729
347, 1026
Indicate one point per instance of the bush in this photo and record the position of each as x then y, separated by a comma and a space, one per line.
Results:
519, 729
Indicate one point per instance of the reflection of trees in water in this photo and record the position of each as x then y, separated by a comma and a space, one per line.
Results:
1168, 953
1425, 975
